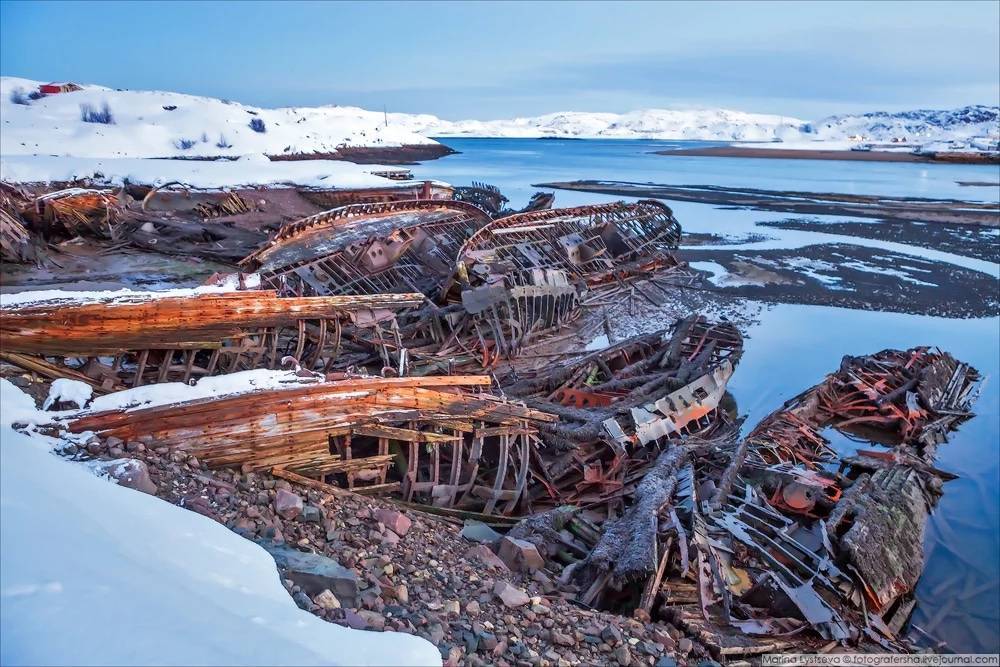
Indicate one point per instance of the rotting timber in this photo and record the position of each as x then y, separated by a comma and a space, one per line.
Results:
119, 343
451, 443
760, 547
495, 285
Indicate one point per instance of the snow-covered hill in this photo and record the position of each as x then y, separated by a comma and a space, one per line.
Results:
163, 124
915, 127
697, 124
920, 126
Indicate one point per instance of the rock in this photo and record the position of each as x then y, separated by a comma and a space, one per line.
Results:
487, 641
94, 448
452, 607
302, 600
482, 553
666, 661
288, 505
611, 634
354, 620
130, 473
510, 595
395, 521
562, 639
684, 646
520, 555
375, 620
327, 600
665, 640
472, 608
623, 656
477, 531
315, 573
311, 514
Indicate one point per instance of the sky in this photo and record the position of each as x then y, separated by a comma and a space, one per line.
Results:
488, 60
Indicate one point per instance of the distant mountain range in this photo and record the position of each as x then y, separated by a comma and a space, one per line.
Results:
920, 126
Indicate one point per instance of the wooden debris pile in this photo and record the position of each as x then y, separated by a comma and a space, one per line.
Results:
438, 440
495, 286
75, 212
618, 406
759, 547
119, 342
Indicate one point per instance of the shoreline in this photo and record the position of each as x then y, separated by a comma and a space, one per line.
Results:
826, 154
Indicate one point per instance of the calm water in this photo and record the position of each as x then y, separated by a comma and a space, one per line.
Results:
794, 346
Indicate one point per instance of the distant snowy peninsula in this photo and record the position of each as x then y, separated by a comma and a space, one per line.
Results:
94, 121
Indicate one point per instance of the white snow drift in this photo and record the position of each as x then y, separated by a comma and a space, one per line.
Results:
97, 574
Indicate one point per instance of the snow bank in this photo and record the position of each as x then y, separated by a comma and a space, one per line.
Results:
70, 391
167, 393
200, 174
123, 295
163, 124
94, 573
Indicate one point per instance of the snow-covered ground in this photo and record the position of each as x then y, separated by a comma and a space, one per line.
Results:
250, 170
165, 124
95, 573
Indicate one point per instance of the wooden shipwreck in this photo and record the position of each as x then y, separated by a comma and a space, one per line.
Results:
118, 342
444, 441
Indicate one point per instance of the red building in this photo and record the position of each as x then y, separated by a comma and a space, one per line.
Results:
53, 88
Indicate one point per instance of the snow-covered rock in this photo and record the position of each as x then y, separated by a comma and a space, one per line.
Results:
165, 124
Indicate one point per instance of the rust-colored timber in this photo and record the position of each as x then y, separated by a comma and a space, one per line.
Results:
166, 323
180, 338
345, 430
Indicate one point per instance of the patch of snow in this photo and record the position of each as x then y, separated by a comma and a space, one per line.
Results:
145, 125
598, 343
118, 577
71, 391
198, 174
719, 276
17, 407
168, 393
123, 295
865, 267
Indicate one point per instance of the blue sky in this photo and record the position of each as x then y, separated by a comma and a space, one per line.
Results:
497, 60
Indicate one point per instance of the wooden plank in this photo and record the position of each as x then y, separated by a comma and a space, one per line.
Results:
406, 435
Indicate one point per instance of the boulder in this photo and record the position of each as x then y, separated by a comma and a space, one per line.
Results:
130, 473
315, 573
482, 553
520, 555
327, 600
287, 505
395, 521
510, 595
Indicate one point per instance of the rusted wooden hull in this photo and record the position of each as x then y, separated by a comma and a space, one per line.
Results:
456, 448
